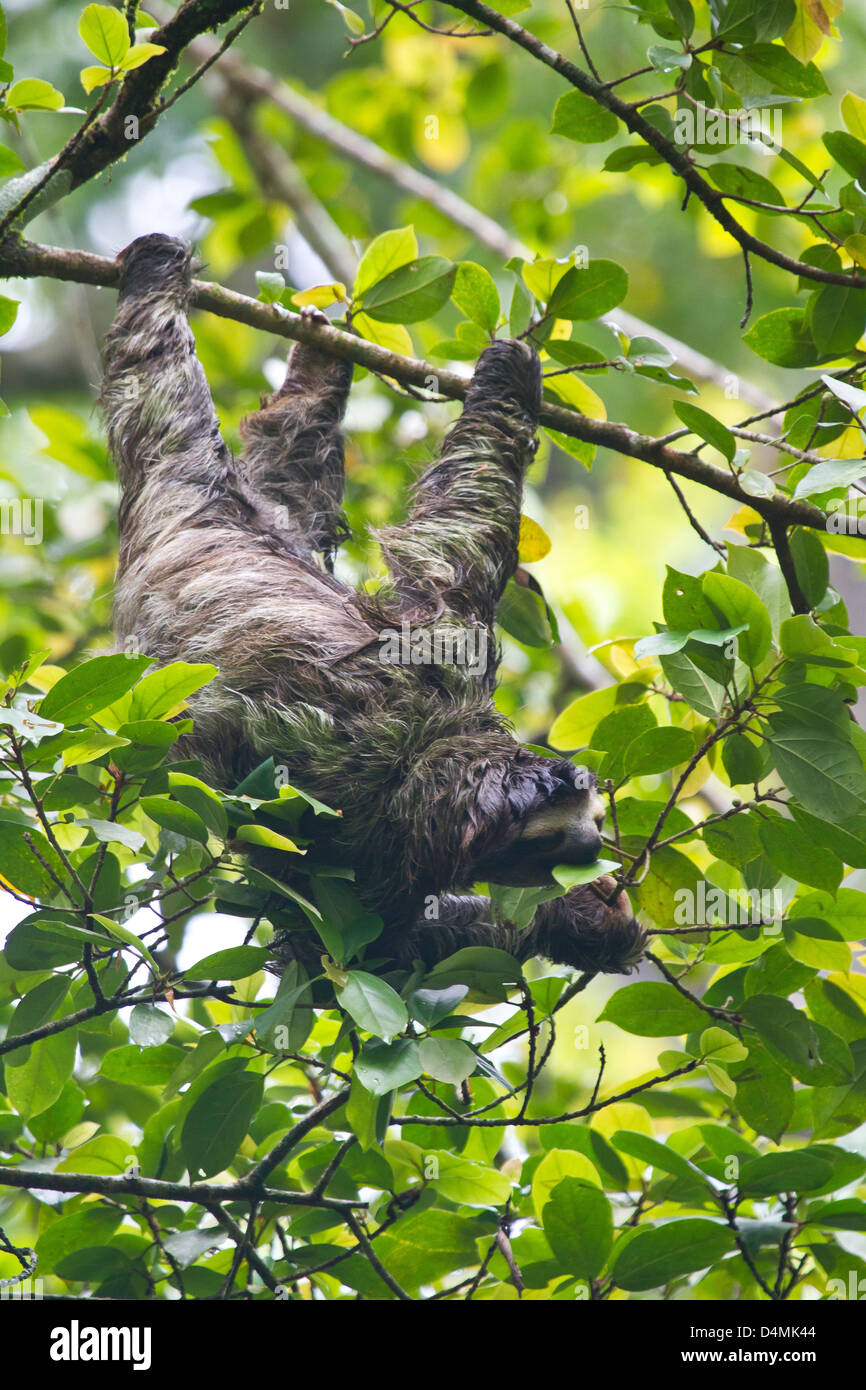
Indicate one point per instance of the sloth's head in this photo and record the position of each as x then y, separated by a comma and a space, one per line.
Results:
555, 818
154, 263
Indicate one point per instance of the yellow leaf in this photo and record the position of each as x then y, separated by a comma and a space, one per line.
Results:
556, 1165
576, 393
855, 245
542, 277
46, 676
95, 77
849, 445
534, 542
742, 517
393, 336
853, 110
808, 31
320, 296
140, 54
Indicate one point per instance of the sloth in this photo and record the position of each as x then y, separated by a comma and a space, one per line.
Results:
230, 561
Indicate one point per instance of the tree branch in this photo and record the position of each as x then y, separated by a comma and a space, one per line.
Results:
105, 141
677, 157
22, 258
255, 84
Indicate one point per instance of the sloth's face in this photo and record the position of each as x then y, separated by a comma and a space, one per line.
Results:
565, 831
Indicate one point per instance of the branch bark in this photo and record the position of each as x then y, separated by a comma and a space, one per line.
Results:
26, 259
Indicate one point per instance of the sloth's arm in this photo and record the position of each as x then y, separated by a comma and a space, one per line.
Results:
460, 539
293, 446
162, 426
579, 929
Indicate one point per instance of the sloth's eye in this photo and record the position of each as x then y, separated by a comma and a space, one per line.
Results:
543, 844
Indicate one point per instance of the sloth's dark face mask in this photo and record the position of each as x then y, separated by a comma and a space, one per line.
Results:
565, 830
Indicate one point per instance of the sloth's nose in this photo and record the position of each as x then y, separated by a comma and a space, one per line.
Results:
582, 846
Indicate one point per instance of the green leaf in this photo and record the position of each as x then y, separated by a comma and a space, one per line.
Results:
837, 318
164, 691
373, 1004
828, 474
385, 254
847, 151
91, 1227
745, 183
578, 117
652, 1009
31, 1088
382, 1067
573, 727
765, 1093
23, 863
524, 615
784, 1028
722, 1046
91, 687
413, 292
9, 163
484, 968
470, 1184
430, 1006
656, 1154
121, 933
849, 1214
793, 851
141, 1066
819, 768
149, 1026
655, 1256
586, 292
172, 815
816, 943
103, 29
37, 1007
95, 76
447, 1059
579, 1227
629, 156
737, 603
782, 72
8, 313
235, 963
742, 759
263, 835
518, 906
572, 875
796, 1170
783, 337
476, 294
33, 94
217, 1121
707, 427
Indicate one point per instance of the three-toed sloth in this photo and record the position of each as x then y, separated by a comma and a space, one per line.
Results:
230, 561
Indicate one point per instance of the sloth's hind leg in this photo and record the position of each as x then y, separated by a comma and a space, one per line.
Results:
293, 452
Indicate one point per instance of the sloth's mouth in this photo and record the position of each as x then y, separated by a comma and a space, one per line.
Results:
530, 863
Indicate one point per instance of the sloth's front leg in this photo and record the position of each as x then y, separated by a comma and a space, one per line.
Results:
579, 929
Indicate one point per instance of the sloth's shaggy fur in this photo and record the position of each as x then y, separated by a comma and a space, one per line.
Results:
230, 561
